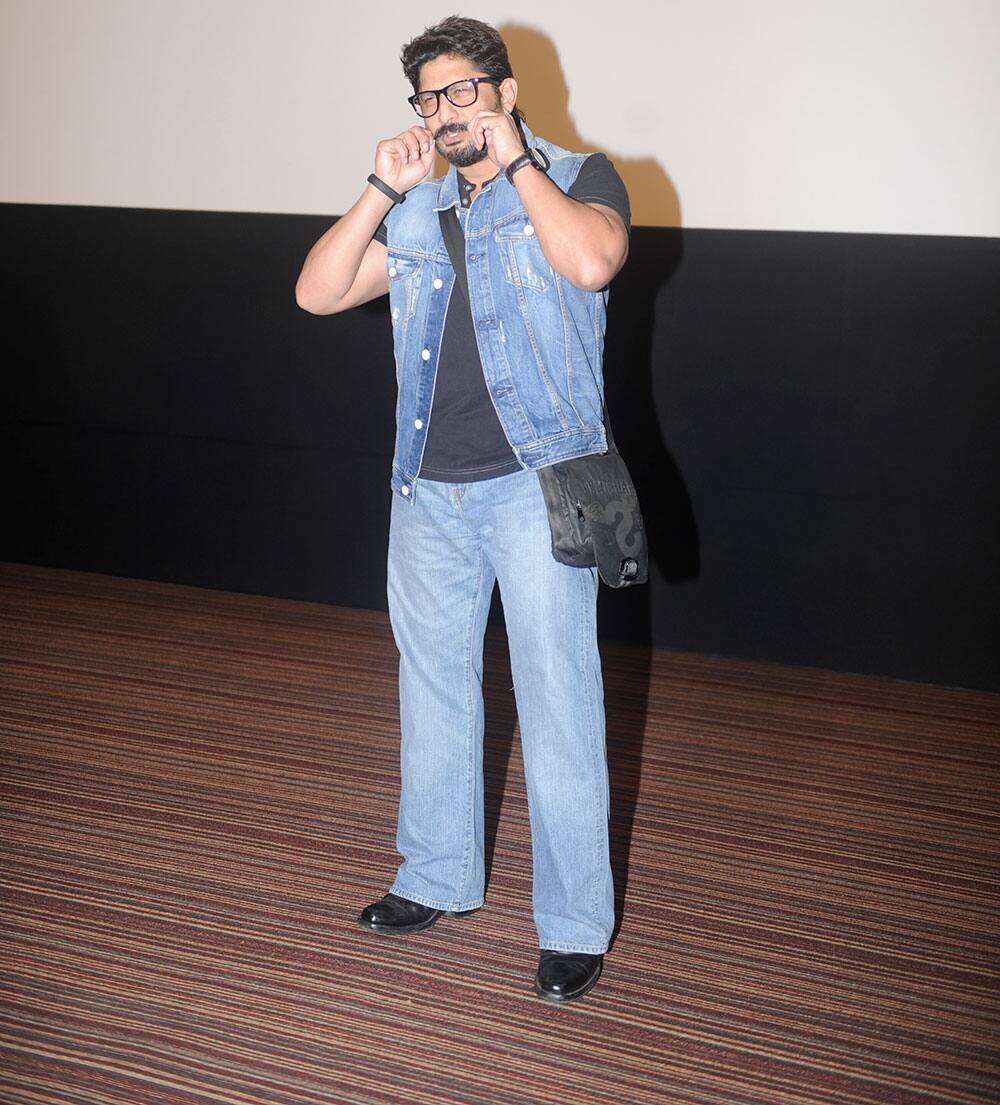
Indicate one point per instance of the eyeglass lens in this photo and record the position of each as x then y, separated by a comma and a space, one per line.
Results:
461, 94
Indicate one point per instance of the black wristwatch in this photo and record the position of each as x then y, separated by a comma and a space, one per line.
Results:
530, 157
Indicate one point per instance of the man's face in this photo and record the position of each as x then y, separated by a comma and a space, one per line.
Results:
450, 125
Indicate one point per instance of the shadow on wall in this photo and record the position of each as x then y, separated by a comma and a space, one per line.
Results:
543, 96
630, 362
630, 368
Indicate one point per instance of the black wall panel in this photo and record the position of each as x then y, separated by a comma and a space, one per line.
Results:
811, 420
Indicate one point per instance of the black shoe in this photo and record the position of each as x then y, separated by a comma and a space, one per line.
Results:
396, 916
563, 976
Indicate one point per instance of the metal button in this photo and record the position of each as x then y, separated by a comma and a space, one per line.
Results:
438, 282
426, 354
529, 230
418, 423
405, 490
392, 271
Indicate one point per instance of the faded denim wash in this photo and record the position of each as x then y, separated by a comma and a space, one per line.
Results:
446, 548
541, 340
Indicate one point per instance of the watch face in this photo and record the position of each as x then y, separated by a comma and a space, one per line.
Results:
539, 159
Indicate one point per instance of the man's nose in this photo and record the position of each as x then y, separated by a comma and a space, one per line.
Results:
446, 112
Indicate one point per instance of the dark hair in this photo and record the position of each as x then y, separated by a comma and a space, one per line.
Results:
472, 39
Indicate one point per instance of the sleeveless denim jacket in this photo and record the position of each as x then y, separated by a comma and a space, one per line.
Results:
541, 340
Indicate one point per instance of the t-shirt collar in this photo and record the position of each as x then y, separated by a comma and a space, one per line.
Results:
466, 187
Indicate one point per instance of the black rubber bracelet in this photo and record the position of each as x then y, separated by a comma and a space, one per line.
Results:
377, 182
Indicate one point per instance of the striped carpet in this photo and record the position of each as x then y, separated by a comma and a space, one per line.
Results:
198, 796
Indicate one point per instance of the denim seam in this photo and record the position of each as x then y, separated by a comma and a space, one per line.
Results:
539, 361
567, 347
582, 949
561, 435
591, 733
422, 444
470, 827
435, 903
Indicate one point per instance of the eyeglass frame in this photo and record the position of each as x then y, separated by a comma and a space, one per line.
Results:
474, 81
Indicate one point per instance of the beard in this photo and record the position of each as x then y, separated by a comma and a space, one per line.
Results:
460, 156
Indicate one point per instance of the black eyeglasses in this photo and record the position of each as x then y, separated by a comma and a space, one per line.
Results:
459, 93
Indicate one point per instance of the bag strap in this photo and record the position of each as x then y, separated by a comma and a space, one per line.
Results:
454, 240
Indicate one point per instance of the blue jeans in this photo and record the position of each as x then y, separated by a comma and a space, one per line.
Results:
446, 549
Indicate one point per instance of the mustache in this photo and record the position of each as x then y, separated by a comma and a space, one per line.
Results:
450, 128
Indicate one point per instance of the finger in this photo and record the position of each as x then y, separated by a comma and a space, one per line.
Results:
424, 138
404, 143
478, 128
397, 150
412, 145
388, 149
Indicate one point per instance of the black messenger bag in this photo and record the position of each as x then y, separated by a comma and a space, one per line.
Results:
594, 515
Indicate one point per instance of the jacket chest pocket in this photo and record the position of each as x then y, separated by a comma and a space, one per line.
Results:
523, 262
404, 283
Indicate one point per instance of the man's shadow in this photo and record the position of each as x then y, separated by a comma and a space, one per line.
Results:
630, 367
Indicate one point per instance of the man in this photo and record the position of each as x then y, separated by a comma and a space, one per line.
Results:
499, 372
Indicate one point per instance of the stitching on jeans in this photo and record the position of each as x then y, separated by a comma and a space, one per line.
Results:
470, 822
583, 949
582, 623
458, 906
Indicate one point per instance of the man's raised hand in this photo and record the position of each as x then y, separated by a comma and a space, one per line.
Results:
405, 160
497, 132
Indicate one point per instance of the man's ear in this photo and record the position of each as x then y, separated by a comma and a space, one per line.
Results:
508, 93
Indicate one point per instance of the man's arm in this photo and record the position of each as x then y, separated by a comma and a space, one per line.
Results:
587, 243
346, 267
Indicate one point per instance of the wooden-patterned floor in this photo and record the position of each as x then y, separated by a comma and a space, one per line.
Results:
199, 794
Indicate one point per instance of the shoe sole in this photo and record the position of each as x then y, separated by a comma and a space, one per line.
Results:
408, 930
560, 999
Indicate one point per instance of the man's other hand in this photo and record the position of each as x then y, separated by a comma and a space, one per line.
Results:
405, 160
497, 131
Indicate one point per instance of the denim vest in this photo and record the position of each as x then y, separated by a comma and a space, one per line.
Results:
541, 340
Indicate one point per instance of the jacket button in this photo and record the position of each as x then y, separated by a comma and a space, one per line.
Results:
438, 283
529, 230
418, 423
392, 271
405, 490
426, 355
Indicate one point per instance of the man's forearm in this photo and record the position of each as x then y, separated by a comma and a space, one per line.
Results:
332, 265
581, 243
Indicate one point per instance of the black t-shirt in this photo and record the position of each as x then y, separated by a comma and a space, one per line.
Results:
465, 441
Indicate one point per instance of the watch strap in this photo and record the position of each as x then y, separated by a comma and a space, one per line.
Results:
533, 157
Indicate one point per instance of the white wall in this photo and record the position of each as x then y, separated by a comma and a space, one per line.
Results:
838, 115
